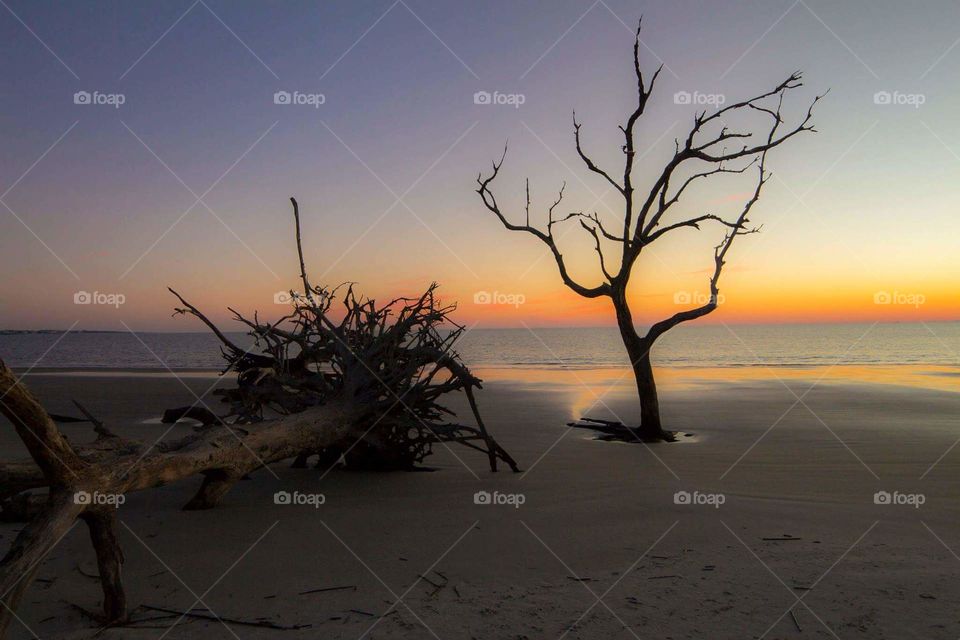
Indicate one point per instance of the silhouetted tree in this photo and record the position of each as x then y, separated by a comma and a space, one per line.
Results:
705, 152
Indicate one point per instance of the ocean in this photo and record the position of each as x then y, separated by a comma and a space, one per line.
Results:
713, 345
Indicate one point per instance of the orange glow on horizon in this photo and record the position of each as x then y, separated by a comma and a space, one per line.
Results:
747, 297
756, 304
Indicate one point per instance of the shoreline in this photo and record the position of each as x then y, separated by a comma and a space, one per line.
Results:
914, 376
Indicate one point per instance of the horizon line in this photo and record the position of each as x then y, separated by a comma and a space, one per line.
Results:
475, 327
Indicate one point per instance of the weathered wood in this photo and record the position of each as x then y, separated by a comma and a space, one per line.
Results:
39, 433
103, 534
19, 566
364, 389
220, 455
203, 615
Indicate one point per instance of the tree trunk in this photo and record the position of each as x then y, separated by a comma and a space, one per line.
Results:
650, 425
638, 349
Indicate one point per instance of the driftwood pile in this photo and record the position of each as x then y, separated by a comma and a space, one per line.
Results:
361, 385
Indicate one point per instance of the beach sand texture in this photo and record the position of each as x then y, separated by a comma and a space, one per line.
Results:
598, 548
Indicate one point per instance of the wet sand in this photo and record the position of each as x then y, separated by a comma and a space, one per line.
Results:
599, 547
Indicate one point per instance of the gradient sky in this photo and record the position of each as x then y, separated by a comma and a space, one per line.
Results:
96, 197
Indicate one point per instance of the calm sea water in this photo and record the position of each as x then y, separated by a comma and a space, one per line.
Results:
691, 346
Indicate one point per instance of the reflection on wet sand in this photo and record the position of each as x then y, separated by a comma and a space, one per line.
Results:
592, 390
943, 378
618, 379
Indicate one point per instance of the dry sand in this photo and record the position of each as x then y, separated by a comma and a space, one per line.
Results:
599, 542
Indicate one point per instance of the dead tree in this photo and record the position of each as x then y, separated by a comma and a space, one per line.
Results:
370, 381
710, 148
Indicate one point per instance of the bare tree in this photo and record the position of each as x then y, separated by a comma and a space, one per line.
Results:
704, 153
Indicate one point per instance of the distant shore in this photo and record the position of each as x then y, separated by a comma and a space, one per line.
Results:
939, 377
25, 332
701, 346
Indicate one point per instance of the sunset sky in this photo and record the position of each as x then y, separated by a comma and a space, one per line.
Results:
100, 198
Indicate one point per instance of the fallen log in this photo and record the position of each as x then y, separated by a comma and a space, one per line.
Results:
74, 475
365, 388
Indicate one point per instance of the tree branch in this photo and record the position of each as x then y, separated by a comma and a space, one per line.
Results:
589, 162
490, 201
738, 228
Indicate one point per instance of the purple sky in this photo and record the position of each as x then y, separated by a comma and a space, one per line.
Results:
186, 182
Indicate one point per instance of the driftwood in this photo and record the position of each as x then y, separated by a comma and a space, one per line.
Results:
203, 615
369, 383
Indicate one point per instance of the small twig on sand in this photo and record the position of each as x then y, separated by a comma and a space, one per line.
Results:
131, 623
436, 587
429, 581
98, 426
86, 612
795, 621
264, 624
323, 589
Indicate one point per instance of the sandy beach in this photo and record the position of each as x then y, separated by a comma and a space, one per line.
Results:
599, 547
